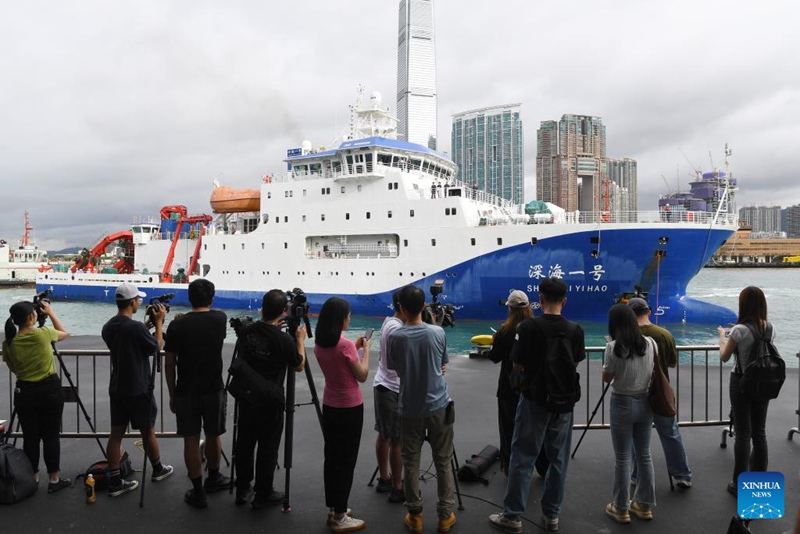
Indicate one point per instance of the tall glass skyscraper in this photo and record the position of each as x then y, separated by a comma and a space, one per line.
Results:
487, 146
416, 73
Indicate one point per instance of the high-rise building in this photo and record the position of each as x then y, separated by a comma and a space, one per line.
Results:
793, 221
416, 73
487, 146
573, 171
764, 220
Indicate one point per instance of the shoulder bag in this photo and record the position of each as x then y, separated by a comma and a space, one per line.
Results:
661, 396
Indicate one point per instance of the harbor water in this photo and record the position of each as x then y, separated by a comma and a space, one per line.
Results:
719, 286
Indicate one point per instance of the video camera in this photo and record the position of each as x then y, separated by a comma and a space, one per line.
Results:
161, 299
297, 311
437, 313
41, 317
237, 323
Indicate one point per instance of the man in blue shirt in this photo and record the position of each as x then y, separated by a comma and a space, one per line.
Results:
418, 353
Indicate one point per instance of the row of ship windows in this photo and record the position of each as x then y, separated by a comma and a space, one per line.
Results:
472, 241
393, 186
336, 273
447, 211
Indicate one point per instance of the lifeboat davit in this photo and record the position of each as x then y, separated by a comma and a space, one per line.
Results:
227, 200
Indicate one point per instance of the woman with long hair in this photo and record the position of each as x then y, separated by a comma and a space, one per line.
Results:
342, 407
749, 416
628, 367
38, 399
519, 309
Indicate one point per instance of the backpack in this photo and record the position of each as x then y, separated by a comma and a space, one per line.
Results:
764, 373
16, 475
558, 380
99, 471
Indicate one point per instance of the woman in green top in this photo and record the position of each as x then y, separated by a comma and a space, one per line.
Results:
38, 397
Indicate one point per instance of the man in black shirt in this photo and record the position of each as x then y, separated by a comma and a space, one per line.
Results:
131, 397
541, 421
198, 399
269, 351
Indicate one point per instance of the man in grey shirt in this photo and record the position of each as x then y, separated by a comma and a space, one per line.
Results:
418, 353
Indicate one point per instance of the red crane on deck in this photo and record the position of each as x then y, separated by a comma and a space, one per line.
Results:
166, 276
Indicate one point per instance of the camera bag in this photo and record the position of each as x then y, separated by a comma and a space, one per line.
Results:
16, 475
248, 386
99, 471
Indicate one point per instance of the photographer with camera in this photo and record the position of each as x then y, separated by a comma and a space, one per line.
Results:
194, 349
38, 397
131, 397
269, 351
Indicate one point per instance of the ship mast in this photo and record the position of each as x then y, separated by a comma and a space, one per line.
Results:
26, 236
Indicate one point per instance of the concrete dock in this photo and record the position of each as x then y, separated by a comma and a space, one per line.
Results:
706, 507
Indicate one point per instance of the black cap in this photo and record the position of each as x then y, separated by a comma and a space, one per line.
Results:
638, 305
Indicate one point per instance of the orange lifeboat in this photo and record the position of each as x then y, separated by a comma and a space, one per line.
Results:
227, 200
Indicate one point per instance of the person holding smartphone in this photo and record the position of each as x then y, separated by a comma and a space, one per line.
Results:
342, 407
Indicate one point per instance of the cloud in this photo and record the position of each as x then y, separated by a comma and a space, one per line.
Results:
112, 110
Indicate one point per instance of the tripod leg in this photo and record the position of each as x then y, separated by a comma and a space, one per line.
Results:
454, 461
86, 416
288, 437
233, 444
374, 474
148, 427
7, 433
314, 397
589, 422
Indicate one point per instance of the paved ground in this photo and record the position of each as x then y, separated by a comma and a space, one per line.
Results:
706, 507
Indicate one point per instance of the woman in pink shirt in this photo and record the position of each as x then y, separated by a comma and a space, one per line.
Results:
342, 408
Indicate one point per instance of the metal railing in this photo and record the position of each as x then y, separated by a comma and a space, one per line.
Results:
700, 382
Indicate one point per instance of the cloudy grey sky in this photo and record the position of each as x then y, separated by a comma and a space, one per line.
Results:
114, 109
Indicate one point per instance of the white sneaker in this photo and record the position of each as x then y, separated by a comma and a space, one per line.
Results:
501, 522
347, 524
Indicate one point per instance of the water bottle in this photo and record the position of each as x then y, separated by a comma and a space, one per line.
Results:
91, 496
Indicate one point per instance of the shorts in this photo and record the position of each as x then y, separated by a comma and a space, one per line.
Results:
208, 412
134, 410
387, 413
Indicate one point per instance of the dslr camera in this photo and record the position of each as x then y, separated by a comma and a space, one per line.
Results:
437, 313
297, 310
161, 299
41, 317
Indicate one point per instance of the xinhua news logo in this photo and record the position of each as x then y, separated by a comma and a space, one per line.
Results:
760, 495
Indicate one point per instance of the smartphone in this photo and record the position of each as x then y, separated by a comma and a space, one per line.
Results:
368, 334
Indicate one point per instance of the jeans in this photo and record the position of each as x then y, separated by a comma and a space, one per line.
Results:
749, 423
674, 452
440, 435
535, 427
631, 421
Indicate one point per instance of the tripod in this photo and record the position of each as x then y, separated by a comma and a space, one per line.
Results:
73, 396
292, 324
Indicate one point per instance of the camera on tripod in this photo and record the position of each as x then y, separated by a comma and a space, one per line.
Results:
41, 316
437, 313
161, 299
297, 311
237, 323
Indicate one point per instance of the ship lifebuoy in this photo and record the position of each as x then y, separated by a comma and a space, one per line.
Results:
605, 217
43, 268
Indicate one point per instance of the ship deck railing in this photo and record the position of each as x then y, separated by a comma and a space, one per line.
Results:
700, 383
